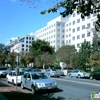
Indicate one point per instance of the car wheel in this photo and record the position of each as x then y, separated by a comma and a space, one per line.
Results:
22, 85
91, 77
33, 89
13, 82
79, 76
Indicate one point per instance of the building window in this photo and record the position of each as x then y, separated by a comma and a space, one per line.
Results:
22, 45
62, 36
30, 38
94, 32
83, 19
78, 20
58, 41
67, 42
26, 49
30, 42
73, 30
58, 30
83, 27
83, 35
69, 35
69, 29
88, 34
22, 49
73, 38
26, 41
94, 23
63, 30
66, 25
66, 36
78, 28
73, 22
88, 17
58, 24
26, 45
74, 15
26, 37
88, 25
78, 36
69, 24
78, 45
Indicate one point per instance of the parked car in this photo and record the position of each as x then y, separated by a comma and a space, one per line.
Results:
36, 81
79, 74
11, 77
3, 71
53, 72
95, 75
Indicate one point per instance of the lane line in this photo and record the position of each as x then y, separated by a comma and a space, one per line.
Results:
77, 82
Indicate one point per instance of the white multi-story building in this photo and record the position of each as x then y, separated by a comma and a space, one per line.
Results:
22, 44
54, 32
70, 30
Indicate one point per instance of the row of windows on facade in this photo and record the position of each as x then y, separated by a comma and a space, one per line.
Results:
78, 44
50, 27
78, 20
83, 35
83, 27
30, 38
62, 30
24, 49
73, 38
61, 24
94, 14
28, 42
58, 41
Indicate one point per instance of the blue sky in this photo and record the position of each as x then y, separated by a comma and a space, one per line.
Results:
17, 20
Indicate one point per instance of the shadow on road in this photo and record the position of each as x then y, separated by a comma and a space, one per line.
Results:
49, 95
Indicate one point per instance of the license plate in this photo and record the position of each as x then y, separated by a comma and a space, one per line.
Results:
49, 87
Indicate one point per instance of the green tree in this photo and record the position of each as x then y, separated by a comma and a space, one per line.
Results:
26, 58
95, 43
66, 54
39, 47
46, 59
95, 60
12, 58
85, 7
84, 55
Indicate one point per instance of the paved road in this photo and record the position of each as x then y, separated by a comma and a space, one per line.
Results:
72, 89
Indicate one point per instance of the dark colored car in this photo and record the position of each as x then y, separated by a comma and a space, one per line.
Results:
95, 75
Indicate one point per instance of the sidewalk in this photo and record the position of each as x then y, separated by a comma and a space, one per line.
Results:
5, 87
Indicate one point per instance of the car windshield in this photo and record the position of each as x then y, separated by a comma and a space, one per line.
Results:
3, 68
54, 70
39, 76
19, 74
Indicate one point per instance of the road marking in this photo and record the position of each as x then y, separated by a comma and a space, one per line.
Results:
78, 82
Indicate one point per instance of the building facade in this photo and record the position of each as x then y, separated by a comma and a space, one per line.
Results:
71, 30
22, 44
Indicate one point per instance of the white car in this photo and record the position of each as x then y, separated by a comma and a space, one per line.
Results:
11, 77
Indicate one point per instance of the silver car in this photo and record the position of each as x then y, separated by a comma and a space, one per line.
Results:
37, 81
53, 73
3, 71
79, 74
